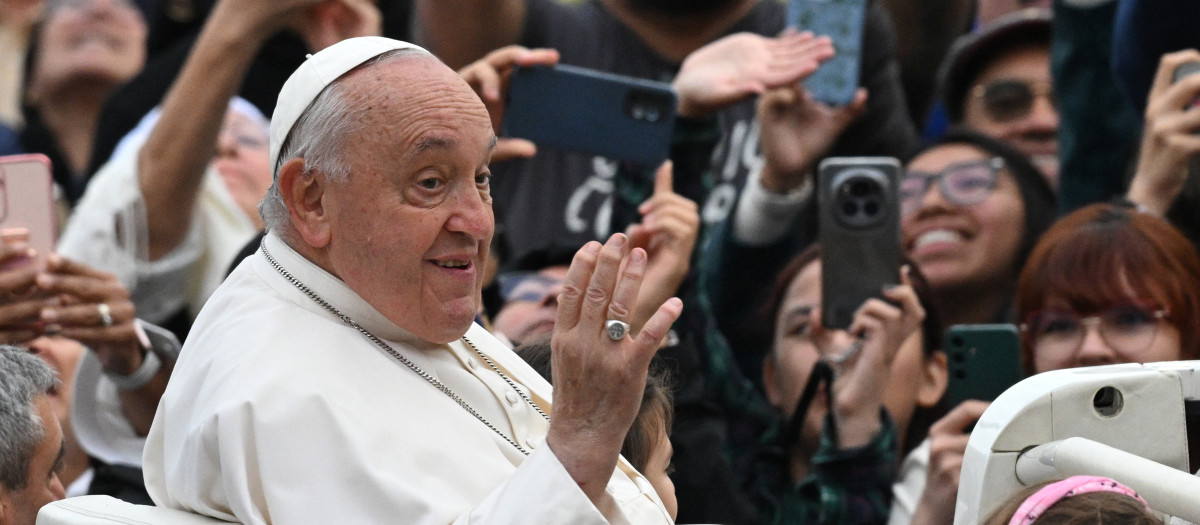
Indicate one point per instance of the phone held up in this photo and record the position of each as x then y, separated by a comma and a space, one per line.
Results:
593, 112
859, 232
27, 205
1184, 70
984, 360
836, 80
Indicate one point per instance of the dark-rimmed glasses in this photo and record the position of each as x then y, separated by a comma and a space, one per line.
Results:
1126, 328
527, 286
1011, 99
961, 184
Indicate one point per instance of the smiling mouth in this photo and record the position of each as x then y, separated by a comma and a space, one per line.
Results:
453, 265
936, 236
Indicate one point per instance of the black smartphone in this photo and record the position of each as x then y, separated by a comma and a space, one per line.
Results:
593, 112
835, 82
984, 360
859, 232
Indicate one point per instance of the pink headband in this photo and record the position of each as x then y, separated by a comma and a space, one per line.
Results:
1033, 506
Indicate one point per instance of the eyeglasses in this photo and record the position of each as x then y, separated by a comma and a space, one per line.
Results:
1125, 328
527, 286
962, 184
1009, 99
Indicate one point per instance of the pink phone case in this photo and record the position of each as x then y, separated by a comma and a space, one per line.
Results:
27, 202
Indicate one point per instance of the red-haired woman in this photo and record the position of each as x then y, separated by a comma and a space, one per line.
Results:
1108, 284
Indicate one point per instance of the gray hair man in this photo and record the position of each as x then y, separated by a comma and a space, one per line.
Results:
31, 440
337, 375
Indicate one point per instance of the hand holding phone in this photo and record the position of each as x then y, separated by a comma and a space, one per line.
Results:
859, 232
591, 112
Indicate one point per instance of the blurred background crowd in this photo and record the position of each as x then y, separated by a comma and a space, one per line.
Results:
1046, 152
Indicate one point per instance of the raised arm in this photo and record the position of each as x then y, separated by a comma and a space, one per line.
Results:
172, 162
461, 31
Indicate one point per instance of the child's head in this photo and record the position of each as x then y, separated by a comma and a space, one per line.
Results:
646, 446
1077, 500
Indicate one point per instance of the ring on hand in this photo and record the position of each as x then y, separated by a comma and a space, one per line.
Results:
616, 329
105, 314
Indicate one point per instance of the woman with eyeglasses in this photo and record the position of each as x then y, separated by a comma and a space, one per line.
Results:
1106, 285
972, 209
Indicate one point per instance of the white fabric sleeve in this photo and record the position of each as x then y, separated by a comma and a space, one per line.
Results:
763, 216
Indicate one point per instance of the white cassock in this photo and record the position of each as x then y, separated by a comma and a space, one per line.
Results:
279, 412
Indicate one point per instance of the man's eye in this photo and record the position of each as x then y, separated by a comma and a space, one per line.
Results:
483, 179
430, 184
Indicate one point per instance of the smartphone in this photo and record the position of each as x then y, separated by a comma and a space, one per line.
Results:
27, 203
859, 232
836, 80
593, 112
984, 360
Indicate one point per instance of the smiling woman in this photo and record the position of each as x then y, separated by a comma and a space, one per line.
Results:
972, 210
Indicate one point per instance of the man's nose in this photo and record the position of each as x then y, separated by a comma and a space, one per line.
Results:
472, 214
1043, 116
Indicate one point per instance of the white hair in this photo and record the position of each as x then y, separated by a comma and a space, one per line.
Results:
319, 137
23, 377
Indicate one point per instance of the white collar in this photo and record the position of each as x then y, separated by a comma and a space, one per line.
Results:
330, 288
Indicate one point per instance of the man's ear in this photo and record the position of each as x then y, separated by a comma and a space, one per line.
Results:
303, 192
934, 377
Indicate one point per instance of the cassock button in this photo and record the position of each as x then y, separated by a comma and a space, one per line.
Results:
512, 398
472, 364
535, 441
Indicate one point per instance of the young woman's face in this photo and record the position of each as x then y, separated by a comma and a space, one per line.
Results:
90, 41
915, 380
1133, 331
964, 245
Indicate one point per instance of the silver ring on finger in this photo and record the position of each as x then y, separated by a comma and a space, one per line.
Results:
616, 329
105, 314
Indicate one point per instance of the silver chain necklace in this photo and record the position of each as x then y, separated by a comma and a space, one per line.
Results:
406, 361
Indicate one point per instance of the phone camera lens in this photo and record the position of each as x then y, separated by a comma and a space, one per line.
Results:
871, 207
652, 114
850, 208
638, 112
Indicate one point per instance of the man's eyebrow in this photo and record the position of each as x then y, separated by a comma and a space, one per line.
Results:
429, 143
493, 142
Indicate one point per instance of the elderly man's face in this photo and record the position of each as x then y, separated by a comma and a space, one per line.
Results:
42, 486
411, 227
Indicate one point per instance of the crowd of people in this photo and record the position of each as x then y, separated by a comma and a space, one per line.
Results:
302, 276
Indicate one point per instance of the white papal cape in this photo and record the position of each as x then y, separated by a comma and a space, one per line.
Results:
278, 412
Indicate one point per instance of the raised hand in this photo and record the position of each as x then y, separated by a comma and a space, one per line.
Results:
1170, 137
947, 444
598, 381
332, 21
877, 331
489, 75
797, 130
668, 231
744, 64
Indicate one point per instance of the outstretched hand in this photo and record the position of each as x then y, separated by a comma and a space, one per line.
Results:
738, 66
598, 381
489, 76
668, 231
332, 21
19, 302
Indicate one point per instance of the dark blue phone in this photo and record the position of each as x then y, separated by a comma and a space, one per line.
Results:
587, 111
835, 82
